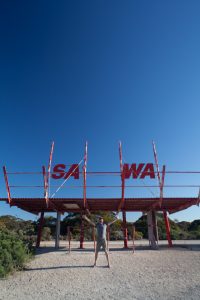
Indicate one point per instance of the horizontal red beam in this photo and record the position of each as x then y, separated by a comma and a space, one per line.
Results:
105, 172
37, 205
107, 186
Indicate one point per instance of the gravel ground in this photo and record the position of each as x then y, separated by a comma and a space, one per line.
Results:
146, 274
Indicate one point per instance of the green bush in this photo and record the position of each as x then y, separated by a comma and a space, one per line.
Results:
46, 234
13, 253
138, 235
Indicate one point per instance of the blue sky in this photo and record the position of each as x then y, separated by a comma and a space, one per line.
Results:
100, 71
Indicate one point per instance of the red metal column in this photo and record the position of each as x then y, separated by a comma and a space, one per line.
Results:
121, 204
93, 234
161, 184
49, 203
84, 177
49, 167
41, 222
156, 162
82, 233
45, 185
167, 225
160, 179
125, 230
7, 185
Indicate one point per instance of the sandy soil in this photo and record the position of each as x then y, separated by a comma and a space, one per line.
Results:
146, 274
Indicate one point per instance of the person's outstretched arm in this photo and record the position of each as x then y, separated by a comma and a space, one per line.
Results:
88, 220
116, 218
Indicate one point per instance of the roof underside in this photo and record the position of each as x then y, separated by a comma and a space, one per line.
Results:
36, 205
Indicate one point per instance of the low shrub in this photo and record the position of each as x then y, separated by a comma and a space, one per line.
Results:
13, 252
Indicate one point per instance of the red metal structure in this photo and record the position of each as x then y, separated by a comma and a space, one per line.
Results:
50, 203
38, 205
121, 203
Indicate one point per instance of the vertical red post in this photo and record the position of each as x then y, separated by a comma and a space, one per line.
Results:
39, 234
161, 184
45, 186
156, 162
49, 167
167, 225
122, 198
125, 230
93, 233
160, 179
84, 176
122, 178
7, 185
165, 217
82, 233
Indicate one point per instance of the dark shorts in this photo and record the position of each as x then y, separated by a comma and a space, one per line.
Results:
101, 244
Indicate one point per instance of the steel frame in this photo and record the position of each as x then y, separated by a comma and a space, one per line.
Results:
51, 204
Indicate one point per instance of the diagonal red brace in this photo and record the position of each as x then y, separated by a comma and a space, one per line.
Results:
7, 185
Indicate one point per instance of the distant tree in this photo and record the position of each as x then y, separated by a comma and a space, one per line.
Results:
46, 234
194, 226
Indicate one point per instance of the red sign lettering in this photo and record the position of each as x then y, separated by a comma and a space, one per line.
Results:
148, 171
135, 171
59, 171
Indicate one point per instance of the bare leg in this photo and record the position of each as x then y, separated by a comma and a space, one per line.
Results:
96, 256
107, 257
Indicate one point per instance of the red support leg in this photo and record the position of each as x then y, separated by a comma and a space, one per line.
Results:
121, 203
41, 222
84, 177
82, 233
93, 233
167, 225
125, 230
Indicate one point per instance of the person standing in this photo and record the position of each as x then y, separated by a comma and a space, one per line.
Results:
101, 236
